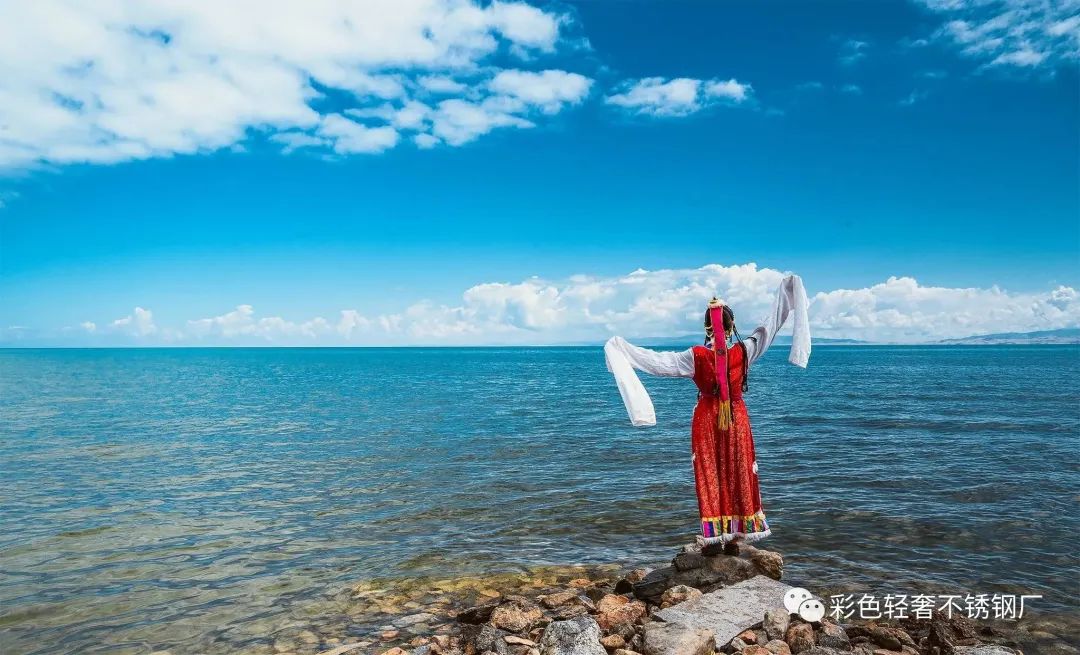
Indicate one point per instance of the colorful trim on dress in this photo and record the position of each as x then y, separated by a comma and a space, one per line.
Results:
719, 526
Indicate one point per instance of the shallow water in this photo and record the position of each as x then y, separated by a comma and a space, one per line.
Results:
199, 499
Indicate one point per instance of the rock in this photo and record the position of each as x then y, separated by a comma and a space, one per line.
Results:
519, 641
613, 642
756, 650
480, 638
885, 637
738, 645
614, 610
340, 650
580, 636
766, 561
748, 636
833, 636
730, 610
387, 635
776, 623
551, 601
413, 619
778, 647
626, 585
689, 560
678, 639
799, 637
395, 651
478, 614
700, 572
985, 649
823, 650
678, 594
516, 616
885, 651
569, 612
623, 651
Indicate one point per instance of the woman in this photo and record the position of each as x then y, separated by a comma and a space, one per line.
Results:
725, 468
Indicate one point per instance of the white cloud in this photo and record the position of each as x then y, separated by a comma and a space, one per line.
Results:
89, 326
112, 81
676, 97
548, 90
1012, 33
351, 137
851, 89
139, 323
640, 304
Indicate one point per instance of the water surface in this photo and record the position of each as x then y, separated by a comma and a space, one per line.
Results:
193, 499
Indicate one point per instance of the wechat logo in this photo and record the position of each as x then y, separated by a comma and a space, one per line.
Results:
802, 602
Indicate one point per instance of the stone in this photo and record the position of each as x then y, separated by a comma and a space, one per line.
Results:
623, 651
776, 623
340, 650
580, 636
518, 641
799, 637
678, 594
678, 639
778, 647
516, 616
749, 636
738, 645
551, 601
730, 610
833, 636
985, 649
885, 637
614, 610
613, 642
766, 561
387, 635
756, 650
823, 650
413, 619
482, 638
700, 572
395, 651
478, 614
636, 575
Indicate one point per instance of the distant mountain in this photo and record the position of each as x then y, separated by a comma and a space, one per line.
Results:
1066, 335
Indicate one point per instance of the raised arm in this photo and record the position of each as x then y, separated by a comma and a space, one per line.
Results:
790, 301
623, 357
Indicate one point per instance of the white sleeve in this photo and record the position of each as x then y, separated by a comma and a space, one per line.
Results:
790, 299
622, 358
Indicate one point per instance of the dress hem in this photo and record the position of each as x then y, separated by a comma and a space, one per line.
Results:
747, 537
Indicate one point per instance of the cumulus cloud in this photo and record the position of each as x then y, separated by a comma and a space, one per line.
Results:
640, 304
681, 96
114, 81
139, 323
1011, 33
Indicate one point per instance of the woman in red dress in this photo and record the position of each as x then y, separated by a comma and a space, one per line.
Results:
725, 465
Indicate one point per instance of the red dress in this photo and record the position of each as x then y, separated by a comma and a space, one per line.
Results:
725, 468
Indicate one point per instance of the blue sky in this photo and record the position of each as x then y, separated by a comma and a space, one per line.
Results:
455, 172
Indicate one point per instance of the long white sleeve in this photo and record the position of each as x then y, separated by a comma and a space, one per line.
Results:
790, 299
622, 358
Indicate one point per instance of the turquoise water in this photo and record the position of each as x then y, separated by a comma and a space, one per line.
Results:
178, 498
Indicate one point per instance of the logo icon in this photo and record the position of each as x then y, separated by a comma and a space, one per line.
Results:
802, 602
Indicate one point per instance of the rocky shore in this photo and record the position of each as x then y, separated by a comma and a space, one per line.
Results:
697, 605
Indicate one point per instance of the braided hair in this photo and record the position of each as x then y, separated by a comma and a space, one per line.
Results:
729, 326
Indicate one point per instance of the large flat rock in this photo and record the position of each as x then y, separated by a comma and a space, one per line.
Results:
730, 610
